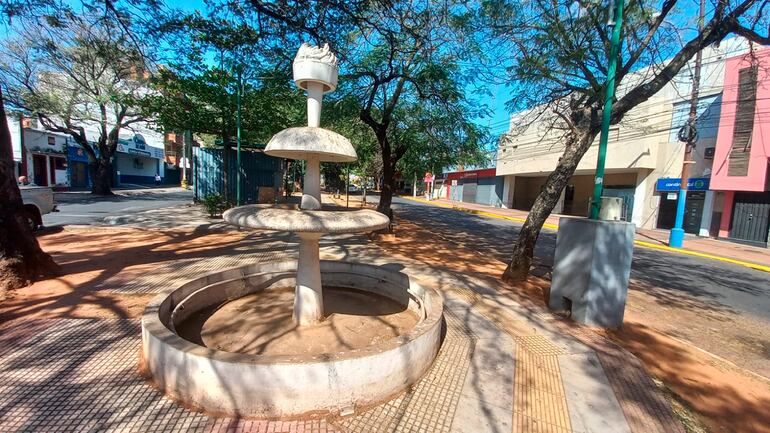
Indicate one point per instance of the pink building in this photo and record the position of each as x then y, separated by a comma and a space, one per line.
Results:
740, 172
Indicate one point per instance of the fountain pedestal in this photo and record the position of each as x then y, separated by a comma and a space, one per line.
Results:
308, 298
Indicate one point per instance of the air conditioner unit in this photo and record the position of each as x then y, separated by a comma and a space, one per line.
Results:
612, 209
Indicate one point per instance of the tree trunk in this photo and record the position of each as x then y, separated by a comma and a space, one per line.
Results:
523, 250
101, 176
21, 259
388, 185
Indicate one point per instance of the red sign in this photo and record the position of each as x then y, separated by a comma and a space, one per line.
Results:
429, 177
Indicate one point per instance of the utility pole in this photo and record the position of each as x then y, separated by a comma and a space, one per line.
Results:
238, 138
609, 95
184, 159
347, 187
688, 134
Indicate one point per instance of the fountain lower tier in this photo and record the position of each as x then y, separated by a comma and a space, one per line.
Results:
289, 218
289, 383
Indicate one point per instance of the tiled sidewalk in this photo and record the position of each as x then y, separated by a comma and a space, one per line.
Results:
502, 367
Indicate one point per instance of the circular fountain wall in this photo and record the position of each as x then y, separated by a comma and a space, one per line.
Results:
264, 373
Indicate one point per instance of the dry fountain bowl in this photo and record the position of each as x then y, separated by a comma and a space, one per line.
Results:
288, 386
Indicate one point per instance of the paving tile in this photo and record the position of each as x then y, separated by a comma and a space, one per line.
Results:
475, 415
493, 356
592, 409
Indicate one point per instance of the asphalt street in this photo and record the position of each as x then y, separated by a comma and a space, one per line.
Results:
83, 208
720, 307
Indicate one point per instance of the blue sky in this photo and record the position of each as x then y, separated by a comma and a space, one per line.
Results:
497, 123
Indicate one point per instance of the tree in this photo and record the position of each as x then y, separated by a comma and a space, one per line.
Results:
196, 89
558, 53
81, 74
396, 56
21, 258
437, 140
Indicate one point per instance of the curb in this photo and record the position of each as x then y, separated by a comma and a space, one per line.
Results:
642, 244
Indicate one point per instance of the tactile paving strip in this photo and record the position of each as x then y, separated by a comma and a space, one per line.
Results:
431, 403
538, 344
539, 403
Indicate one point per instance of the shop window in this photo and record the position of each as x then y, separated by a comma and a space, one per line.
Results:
738, 161
60, 163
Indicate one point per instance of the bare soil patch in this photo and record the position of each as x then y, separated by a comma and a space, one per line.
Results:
262, 324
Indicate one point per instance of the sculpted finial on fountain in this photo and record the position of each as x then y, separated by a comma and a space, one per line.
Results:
320, 54
315, 66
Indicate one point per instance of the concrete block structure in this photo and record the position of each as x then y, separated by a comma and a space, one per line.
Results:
591, 268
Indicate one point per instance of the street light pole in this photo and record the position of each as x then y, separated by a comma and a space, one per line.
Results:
688, 134
609, 95
238, 139
347, 187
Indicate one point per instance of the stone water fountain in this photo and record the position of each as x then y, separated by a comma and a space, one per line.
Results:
295, 338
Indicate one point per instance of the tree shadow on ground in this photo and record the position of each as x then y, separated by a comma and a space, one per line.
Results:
678, 281
726, 402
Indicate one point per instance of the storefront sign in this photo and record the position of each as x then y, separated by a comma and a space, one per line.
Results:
139, 152
673, 184
137, 146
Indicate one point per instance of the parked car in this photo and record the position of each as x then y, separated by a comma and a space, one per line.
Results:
38, 201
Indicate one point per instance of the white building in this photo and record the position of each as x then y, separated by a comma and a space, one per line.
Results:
644, 156
54, 159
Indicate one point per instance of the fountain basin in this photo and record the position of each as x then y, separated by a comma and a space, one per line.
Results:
292, 385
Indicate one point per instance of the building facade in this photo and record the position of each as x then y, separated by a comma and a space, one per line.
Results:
644, 154
474, 186
741, 171
53, 159
136, 162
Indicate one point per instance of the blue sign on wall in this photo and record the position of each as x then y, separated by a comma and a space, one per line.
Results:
673, 184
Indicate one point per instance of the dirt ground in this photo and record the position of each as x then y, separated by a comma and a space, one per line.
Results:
262, 323
726, 398
90, 256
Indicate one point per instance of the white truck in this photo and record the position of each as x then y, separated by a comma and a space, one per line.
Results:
38, 201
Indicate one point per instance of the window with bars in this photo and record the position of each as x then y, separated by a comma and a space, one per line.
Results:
738, 162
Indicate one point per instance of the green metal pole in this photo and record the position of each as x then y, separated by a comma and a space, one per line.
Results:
609, 95
238, 138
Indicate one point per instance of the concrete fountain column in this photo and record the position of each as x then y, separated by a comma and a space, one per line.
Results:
311, 191
308, 296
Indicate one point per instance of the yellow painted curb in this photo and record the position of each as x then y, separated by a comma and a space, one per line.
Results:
636, 242
704, 255
479, 212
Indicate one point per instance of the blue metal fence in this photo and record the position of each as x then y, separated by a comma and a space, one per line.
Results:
258, 171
